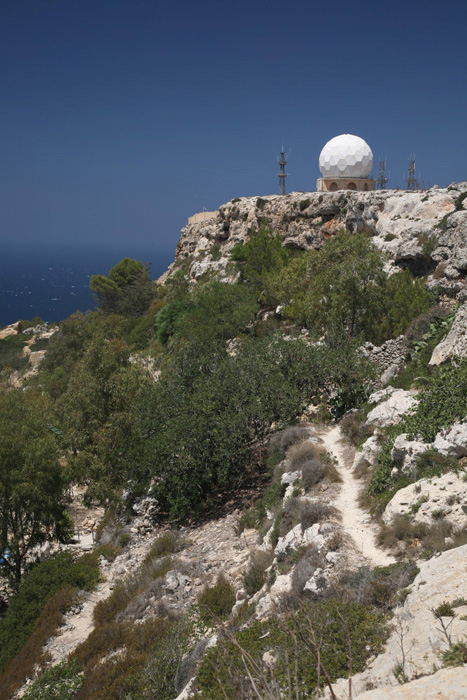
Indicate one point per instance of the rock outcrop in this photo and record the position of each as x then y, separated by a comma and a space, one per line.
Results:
455, 343
392, 405
417, 641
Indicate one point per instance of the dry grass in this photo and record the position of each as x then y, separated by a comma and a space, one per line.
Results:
312, 513
255, 575
304, 569
314, 463
419, 539
133, 593
285, 439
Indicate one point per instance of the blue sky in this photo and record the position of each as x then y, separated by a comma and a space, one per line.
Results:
120, 118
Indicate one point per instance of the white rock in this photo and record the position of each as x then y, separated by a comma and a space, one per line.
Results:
406, 452
369, 452
453, 441
441, 578
455, 343
447, 493
392, 409
446, 684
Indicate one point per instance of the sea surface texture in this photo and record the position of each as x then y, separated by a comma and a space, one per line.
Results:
54, 283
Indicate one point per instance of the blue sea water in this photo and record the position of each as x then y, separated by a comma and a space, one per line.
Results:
53, 282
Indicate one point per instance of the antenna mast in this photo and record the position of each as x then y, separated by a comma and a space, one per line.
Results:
412, 182
282, 160
382, 181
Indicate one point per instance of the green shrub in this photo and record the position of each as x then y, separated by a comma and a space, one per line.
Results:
456, 655
444, 609
27, 604
166, 544
255, 575
289, 641
216, 602
11, 352
61, 682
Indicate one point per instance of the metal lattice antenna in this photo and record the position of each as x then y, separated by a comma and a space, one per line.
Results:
282, 160
382, 181
412, 182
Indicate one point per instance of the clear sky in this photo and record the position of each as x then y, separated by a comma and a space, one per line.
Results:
120, 118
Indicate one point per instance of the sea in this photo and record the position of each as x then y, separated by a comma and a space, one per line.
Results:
52, 282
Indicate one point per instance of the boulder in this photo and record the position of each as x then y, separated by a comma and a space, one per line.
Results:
406, 452
369, 452
297, 537
390, 411
428, 500
455, 343
453, 441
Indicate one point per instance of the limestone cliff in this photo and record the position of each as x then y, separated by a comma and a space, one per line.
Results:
425, 231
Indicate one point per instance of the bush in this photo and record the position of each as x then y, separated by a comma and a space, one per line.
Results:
61, 682
32, 654
27, 604
313, 473
310, 560
380, 587
312, 513
291, 515
216, 602
166, 544
289, 641
301, 454
131, 595
255, 575
110, 675
456, 655
283, 440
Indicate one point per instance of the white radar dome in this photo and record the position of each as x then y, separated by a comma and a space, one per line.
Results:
346, 156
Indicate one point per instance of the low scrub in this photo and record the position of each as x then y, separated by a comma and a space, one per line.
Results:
32, 655
216, 602
60, 682
292, 642
43, 581
383, 587
283, 440
130, 597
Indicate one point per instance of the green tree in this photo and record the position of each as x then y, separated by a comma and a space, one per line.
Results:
261, 255
127, 289
31, 479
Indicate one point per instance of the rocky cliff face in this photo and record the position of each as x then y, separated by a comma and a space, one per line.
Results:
425, 231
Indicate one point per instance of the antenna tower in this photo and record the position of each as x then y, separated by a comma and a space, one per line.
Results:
412, 182
382, 181
282, 160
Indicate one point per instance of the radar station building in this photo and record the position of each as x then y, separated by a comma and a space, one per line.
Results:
346, 162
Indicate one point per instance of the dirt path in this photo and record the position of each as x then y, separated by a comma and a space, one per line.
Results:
355, 521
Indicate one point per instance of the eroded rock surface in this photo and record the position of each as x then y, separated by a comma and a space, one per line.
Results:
417, 636
455, 343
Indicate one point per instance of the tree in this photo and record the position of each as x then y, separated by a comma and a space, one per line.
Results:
31, 480
127, 289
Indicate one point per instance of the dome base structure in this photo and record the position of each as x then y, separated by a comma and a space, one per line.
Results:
354, 184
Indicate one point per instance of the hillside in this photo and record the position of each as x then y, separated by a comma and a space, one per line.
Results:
248, 480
